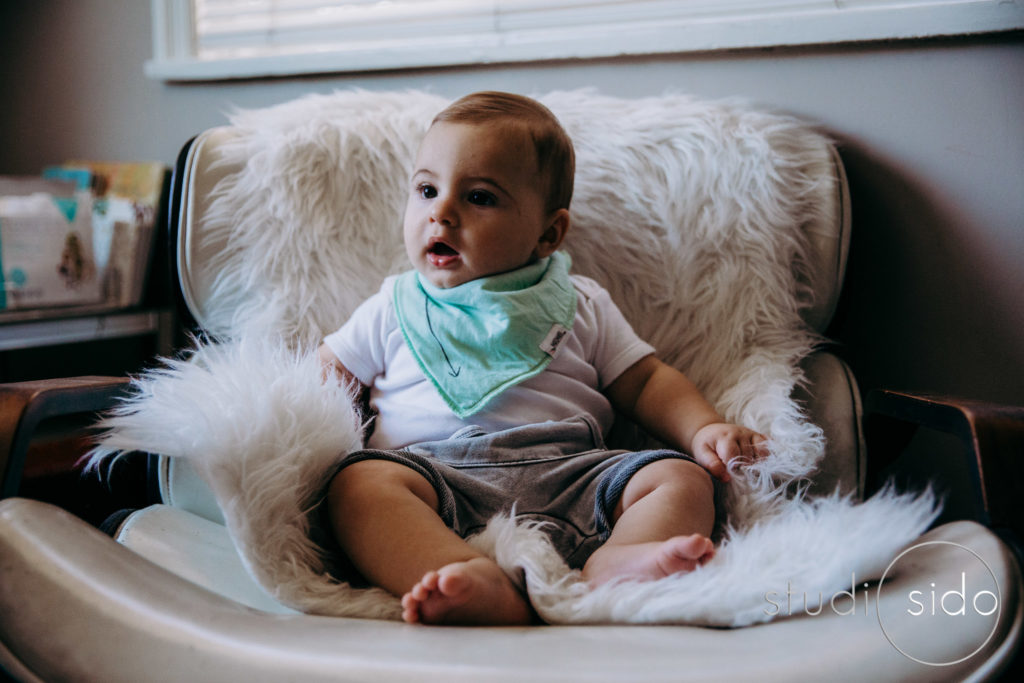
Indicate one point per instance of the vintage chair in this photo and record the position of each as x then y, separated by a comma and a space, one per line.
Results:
170, 599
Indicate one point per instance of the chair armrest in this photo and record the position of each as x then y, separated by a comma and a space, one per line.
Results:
992, 436
23, 405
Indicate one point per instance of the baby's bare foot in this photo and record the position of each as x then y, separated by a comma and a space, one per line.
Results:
648, 561
472, 592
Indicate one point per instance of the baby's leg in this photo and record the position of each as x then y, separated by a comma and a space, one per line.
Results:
663, 524
384, 516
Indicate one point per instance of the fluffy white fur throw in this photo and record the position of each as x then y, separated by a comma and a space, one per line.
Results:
691, 213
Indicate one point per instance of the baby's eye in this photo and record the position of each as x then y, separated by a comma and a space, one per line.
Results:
482, 198
426, 191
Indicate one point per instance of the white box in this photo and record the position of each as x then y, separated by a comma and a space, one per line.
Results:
46, 245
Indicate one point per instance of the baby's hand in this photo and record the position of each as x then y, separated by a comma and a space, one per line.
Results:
714, 445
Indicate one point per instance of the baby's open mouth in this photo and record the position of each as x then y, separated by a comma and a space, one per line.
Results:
441, 255
442, 249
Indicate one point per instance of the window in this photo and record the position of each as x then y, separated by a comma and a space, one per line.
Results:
214, 39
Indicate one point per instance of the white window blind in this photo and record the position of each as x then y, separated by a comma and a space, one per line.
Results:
208, 39
228, 29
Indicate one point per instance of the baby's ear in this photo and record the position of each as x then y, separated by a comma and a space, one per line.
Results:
551, 238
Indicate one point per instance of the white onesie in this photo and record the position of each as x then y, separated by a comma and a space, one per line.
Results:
601, 346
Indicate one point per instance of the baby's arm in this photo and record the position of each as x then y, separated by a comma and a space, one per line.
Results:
671, 408
331, 365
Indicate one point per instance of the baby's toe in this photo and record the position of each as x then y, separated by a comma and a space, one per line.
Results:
410, 609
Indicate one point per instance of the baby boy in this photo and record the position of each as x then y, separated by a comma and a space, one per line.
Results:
495, 374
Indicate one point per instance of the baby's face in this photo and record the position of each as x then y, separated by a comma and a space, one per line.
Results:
475, 205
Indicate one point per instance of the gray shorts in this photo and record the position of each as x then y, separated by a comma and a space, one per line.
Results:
554, 472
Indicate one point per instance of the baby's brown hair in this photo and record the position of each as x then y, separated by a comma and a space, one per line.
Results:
556, 159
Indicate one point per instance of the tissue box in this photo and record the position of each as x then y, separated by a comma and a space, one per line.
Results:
46, 244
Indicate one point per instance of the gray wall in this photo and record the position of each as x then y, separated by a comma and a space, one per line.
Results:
933, 135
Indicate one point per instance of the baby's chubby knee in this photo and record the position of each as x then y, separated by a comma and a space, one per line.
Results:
678, 469
672, 473
372, 480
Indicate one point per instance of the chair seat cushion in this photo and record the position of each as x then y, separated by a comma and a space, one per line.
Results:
116, 617
196, 549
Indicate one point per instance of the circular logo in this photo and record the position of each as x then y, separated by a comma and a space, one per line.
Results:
962, 595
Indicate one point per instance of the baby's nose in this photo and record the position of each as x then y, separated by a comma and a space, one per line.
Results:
443, 211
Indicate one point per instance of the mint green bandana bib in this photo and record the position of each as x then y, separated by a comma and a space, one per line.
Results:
475, 340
